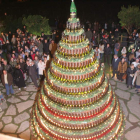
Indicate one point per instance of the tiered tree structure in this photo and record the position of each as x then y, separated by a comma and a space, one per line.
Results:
76, 101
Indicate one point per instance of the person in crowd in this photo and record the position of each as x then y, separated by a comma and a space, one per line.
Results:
40, 47
45, 61
97, 52
125, 58
136, 79
32, 55
123, 51
107, 54
7, 67
13, 63
36, 61
136, 63
52, 48
112, 41
130, 40
89, 34
94, 38
7, 81
54, 36
101, 48
115, 63
138, 53
32, 72
102, 34
13, 40
116, 34
122, 68
41, 68
116, 47
130, 75
1, 54
132, 56
105, 40
19, 77
138, 41
46, 47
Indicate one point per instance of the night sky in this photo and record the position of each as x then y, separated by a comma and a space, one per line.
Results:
92, 10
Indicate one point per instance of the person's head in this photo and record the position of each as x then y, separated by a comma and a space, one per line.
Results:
124, 55
45, 58
20, 60
33, 49
124, 48
5, 62
139, 35
18, 66
133, 50
96, 48
138, 66
123, 60
40, 60
115, 56
108, 45
88, 29
46, 40
2, 59
102, 30
31, 52
4, 72
22, 52
139, 50
36, 39
52, 41
37, 53
137, 60
39, 40
26, 47
12, 59
132, 66
36, 57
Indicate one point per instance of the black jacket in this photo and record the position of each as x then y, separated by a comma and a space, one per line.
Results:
115, 63
107, 51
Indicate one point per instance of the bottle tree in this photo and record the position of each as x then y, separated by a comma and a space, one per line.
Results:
76, 101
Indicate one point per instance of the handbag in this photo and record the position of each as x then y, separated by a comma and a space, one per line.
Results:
124, 76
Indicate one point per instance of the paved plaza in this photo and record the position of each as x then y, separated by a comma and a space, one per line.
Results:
14, 119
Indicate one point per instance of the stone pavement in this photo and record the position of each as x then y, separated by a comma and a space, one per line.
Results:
14, 119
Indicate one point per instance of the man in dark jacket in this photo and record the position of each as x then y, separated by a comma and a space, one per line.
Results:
107, 54
115, 64
89, 34
46, 47
32, 72
7, 81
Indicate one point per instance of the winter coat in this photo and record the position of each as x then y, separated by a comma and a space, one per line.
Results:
129, 76
122, 67
9, 79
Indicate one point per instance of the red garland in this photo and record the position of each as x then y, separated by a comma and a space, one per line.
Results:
73, 118
94, 138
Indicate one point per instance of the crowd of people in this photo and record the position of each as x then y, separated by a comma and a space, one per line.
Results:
23, 58
127, 65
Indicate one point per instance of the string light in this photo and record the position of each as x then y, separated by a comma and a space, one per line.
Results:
76, 101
